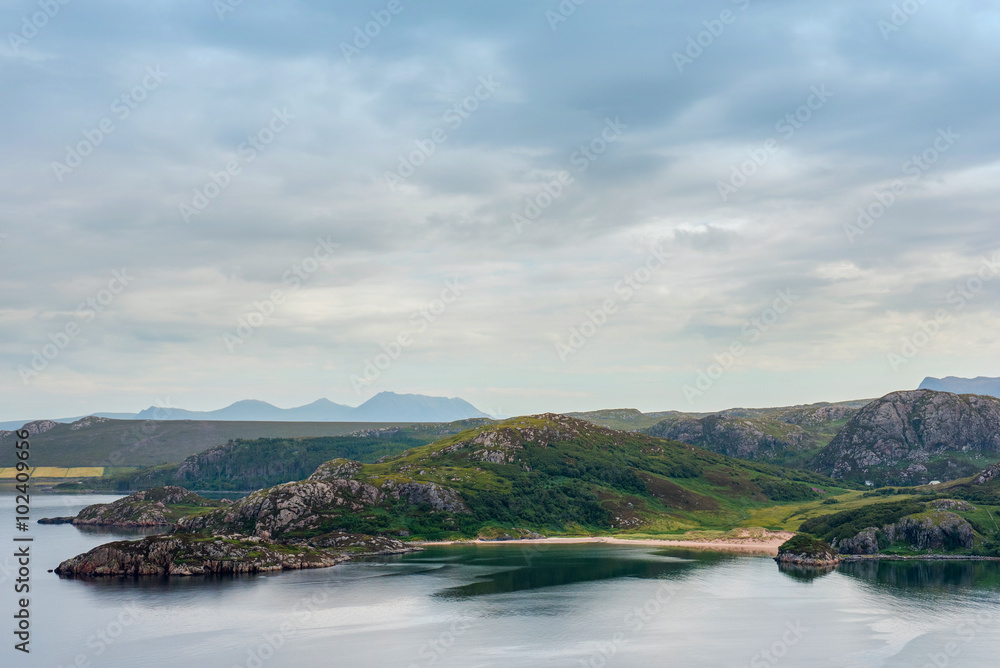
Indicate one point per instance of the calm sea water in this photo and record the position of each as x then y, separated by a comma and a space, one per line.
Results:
504, 605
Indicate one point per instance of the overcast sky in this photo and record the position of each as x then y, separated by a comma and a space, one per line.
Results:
688, 174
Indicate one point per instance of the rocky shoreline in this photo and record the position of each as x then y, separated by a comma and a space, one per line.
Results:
196, 554
804, 550
149, 508
915, 557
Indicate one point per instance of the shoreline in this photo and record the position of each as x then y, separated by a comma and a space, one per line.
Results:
767, 547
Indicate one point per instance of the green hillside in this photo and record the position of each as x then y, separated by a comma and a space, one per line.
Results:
243, 464
104, 442
548, 473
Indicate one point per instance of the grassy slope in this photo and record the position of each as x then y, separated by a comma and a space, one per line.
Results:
984, 517
145, 443
628, 419
255, 464
773, 421
593, 482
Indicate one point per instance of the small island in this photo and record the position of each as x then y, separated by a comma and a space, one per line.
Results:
804, 550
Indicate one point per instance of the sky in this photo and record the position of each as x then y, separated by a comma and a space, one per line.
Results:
535, 206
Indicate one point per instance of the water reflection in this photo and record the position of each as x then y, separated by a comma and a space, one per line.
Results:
926, 576
124, 533
805, 573
514, 569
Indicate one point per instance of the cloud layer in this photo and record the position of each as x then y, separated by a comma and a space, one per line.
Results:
290, 190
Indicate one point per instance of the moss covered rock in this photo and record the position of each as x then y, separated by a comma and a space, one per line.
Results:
804, 550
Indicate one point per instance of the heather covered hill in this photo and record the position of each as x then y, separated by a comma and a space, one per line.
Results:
546, 473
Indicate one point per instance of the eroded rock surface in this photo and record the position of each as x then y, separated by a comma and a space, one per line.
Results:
183, 554
903, 437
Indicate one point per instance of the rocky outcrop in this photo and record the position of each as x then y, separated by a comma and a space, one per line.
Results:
39, 427
317, 501
182, 554
439, 498
502, 444
914, 437
865, 542
294, 506
804, 550
989, 475
336, 469
83, 423
951, 504
935, 531
149, 508
746, 438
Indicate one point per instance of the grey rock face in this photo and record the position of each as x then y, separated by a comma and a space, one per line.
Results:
142, 509
866, 542
747, 438
181, 554
312, 503
440, 498
899, 435
947, 531
39, 426
938, 531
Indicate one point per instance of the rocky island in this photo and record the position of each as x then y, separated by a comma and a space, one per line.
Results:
190, 554
804, 550
162, 506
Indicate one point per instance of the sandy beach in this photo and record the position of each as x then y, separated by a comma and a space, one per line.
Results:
751, 542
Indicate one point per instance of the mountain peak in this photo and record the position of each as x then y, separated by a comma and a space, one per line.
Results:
956, 385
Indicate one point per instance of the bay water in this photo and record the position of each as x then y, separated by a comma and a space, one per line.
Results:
500, 605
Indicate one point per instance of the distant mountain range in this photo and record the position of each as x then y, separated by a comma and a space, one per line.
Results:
383, 407
980, 385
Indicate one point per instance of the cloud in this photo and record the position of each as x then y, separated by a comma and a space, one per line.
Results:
355, 119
